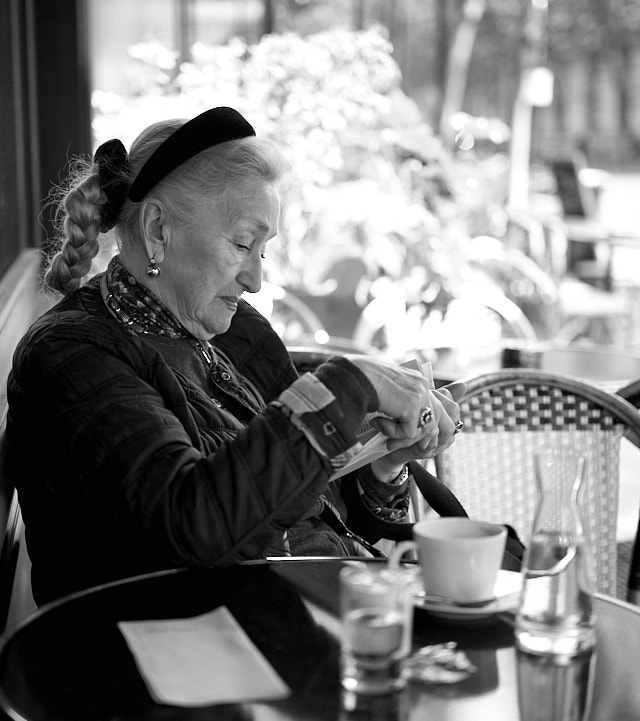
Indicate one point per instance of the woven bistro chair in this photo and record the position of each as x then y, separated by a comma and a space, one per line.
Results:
509, 415
631, 392
630, 551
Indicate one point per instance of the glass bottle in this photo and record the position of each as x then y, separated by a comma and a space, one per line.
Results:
555, 615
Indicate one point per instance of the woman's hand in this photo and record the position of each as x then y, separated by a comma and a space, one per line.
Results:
432, 440
403, 394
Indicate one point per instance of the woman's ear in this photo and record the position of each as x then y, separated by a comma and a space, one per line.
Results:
154, 228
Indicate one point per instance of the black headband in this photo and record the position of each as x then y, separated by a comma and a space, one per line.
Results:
210, 128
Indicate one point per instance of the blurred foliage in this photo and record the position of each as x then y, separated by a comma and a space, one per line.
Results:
372, 194
367, 176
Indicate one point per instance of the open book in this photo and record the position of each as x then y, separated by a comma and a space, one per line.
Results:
374, 443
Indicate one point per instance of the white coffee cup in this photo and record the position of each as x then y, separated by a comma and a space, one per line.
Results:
459, 557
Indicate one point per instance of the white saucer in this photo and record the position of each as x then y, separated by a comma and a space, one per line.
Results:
506, 591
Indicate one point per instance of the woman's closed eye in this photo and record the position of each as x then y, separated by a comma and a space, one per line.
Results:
248, 248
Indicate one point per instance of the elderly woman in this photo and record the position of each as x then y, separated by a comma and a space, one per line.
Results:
155, 418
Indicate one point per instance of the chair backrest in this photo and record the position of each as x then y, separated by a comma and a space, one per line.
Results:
511, 414
631, 392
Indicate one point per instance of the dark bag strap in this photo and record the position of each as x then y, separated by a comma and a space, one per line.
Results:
439, 497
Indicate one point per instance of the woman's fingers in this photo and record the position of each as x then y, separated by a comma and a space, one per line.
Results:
457, 389
436, 436
404, 431
402, 395
412, 412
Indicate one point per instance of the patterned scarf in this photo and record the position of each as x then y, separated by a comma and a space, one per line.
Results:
140, 310
136, 306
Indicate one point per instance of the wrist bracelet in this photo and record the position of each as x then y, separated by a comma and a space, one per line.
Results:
400, 478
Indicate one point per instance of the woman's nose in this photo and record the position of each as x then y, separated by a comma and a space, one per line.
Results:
251, 275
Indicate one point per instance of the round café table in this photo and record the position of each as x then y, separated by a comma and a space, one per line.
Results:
70, 661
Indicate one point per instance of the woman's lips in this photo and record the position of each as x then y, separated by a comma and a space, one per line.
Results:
230, 301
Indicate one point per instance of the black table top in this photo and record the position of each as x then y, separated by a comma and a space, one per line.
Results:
70, 661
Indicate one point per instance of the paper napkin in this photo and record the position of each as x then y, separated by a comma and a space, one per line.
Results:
200, 661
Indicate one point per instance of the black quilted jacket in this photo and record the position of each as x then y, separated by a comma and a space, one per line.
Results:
124, 465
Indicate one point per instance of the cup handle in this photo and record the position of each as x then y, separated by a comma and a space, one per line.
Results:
398, 552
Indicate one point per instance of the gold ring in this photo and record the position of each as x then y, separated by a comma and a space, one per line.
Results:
426, 414
458, 427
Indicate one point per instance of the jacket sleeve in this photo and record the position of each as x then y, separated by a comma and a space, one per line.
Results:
112, 434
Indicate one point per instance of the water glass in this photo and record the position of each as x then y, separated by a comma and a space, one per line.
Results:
555, 614
377, 619
555, 629
555, 688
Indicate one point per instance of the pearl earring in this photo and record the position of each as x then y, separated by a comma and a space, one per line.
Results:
152, 269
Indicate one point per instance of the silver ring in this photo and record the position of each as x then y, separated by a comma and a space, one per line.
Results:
426, 414
458, 427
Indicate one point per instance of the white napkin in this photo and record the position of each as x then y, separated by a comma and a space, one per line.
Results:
374, 446
203, 660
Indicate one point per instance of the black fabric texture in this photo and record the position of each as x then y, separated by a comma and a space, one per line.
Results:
113, 168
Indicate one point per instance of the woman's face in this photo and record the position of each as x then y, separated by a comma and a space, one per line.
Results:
211, 262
